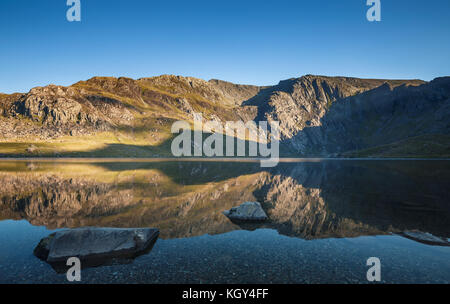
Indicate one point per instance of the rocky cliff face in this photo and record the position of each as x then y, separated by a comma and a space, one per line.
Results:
380, 116
117, 104
54, 111
328, 115
216, 91
318, 115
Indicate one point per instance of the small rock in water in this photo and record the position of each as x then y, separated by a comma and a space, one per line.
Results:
425, 237
248, 211
95, 246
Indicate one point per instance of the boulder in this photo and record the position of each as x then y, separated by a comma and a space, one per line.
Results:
248, 211
95, 246
425, 238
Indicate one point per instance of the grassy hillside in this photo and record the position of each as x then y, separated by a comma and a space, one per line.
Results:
318, 115
425, 146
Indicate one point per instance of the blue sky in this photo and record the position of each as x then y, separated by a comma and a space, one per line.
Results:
252, 42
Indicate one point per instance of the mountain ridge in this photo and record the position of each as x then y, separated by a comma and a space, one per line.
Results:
319, 115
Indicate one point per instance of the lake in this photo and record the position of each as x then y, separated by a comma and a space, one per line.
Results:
326, 218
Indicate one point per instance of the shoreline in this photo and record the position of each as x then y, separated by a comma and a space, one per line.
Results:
205, 159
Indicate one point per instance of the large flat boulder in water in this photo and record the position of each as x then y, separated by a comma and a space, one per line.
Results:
248, 211
425, 238
95, 245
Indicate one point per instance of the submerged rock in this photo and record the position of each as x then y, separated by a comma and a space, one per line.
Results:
426, 238
248, 211
95, 246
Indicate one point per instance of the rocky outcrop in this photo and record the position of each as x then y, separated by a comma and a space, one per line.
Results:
331, 118
236, 93
324, 115
54, 111
426, 238
119, 105
248, 211
95, 246
215, 91
122, 86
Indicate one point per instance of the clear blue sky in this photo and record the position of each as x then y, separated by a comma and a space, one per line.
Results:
255, 42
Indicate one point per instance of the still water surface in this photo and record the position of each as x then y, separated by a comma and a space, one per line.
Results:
327, 217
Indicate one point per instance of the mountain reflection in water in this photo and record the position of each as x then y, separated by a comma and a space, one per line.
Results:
310, 199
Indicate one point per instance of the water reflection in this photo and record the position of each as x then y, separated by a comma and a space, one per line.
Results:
309, 200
